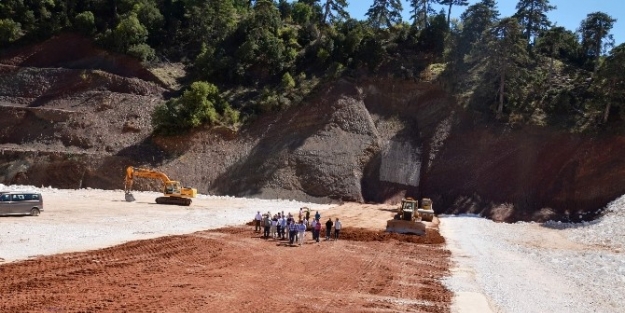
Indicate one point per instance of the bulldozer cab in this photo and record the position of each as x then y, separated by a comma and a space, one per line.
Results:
426, 204
408, 207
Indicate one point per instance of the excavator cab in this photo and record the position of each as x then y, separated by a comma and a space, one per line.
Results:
172, 188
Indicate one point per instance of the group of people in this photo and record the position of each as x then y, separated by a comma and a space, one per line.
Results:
279, 226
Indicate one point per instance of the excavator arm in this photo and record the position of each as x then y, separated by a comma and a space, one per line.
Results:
132, 172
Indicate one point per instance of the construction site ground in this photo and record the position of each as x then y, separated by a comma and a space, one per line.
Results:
203, 258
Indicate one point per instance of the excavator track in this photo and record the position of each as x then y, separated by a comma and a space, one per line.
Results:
173, 201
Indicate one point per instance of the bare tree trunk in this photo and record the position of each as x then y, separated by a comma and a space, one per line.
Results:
606, 114
597, 52
502, 80
449, 12
551, 66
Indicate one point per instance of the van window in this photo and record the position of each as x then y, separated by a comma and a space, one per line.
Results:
18, 197
31, 196
5, 198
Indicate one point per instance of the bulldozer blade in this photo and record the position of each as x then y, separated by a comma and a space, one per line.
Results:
130, 197
405, 227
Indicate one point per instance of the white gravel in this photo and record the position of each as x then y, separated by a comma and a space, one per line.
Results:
530, 267
79, 220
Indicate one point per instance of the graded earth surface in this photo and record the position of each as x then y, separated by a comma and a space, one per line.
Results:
223, 269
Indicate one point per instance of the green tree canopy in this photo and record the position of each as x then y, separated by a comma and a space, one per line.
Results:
595, 33
451, 3
334, 10
532, 15
476, 19
559, 43
421, 10
200, 104
612, 80
9, 30
503, 53
384, 13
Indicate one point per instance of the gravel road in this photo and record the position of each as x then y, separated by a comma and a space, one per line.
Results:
530, 267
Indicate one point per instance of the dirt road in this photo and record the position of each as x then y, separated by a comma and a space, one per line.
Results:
233, 269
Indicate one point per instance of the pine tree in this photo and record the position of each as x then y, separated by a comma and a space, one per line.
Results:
476, 19
532, 15
595, 33
421, 9
451, 3
612, 79
502, 51
384, 13
334, 10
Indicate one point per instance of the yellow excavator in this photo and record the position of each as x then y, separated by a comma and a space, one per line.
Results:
173, 191
409, 217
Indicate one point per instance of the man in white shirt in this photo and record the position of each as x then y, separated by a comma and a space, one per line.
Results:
279, 227
313, 225
284, 227
257, 220
274, 227
337, 228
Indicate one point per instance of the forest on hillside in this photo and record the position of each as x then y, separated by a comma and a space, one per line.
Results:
246, 58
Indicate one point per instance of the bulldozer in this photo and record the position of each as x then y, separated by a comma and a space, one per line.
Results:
409, 217
173, 191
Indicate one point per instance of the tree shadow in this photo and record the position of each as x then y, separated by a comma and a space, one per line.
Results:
144, 152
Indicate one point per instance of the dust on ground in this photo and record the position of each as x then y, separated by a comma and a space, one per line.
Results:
234, 269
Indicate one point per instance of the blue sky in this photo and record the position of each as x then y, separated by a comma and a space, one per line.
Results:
569, 13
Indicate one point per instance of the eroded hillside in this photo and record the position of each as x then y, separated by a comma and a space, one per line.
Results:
77, 120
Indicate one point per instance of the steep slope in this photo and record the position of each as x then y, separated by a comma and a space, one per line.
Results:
371, 139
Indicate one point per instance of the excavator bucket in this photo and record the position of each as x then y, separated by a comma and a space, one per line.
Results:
405, 227
130, 197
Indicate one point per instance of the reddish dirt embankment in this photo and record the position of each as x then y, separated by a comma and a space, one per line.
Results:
233, 270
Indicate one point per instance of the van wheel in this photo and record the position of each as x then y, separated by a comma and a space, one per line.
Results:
34, 212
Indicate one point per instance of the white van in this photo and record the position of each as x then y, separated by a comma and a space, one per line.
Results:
20, 203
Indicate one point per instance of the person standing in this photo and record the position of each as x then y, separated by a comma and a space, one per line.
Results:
313, 226
266, 225
292, 232
274, 227
337, 228
318, 216
279, 226
317, 230
283, 227
328, 228
301, 232
257, 220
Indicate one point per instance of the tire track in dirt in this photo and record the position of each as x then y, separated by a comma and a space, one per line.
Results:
232, 270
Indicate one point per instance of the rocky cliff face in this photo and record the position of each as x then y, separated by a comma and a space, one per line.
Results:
369, 140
